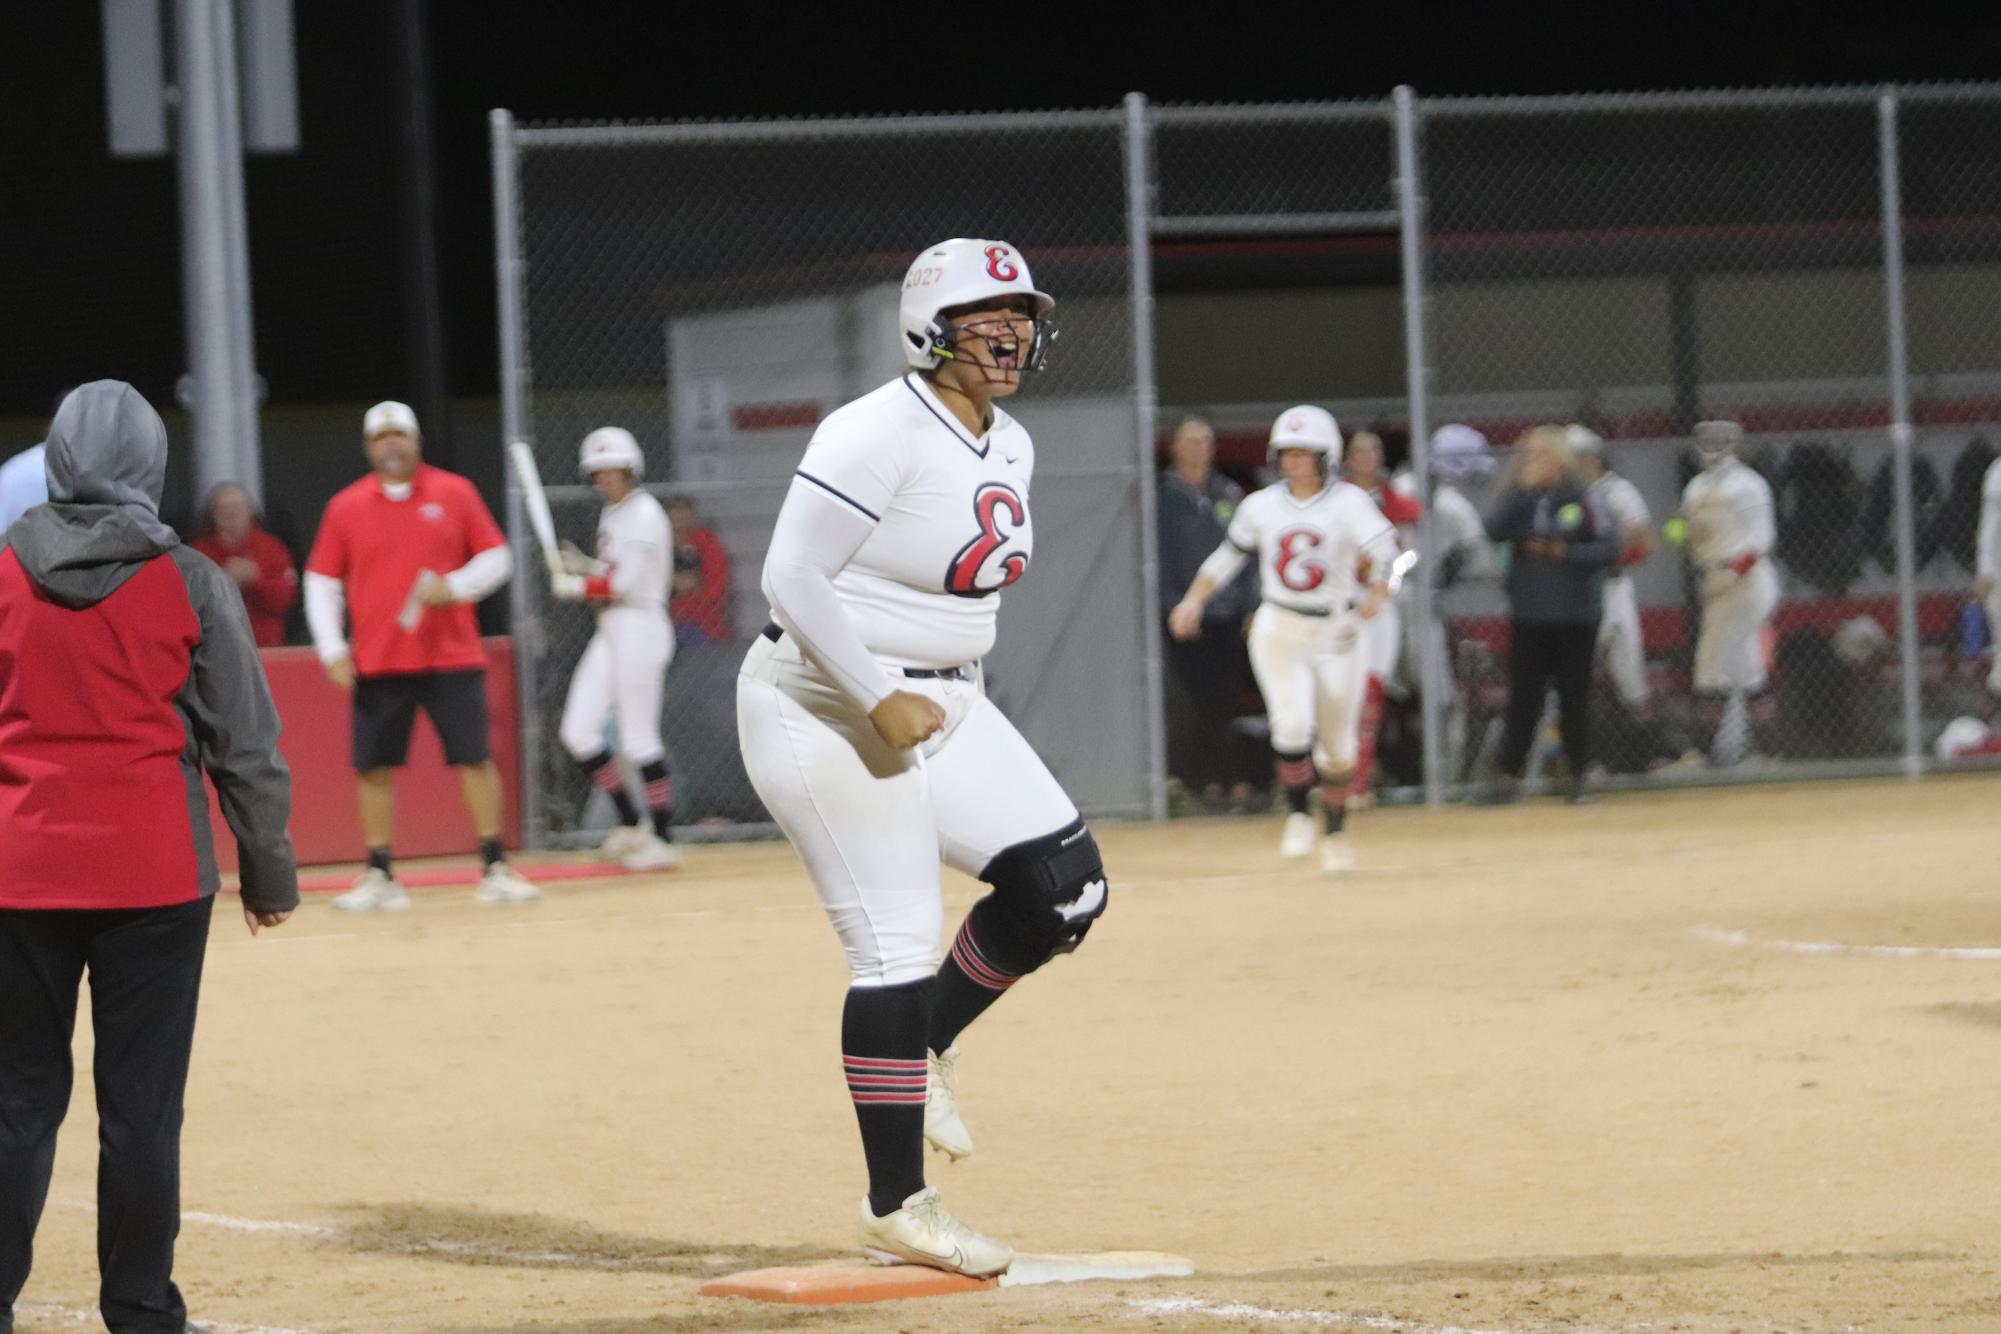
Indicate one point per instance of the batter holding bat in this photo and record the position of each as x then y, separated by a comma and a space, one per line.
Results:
623, 671
405, 553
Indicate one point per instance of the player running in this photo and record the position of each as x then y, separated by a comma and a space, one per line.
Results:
1323, 550
624, 667
867, 732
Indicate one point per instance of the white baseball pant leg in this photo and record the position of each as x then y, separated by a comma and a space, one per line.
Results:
1730, 652
1340, 679
1621, 642
858, 812
1281, 646
622, 676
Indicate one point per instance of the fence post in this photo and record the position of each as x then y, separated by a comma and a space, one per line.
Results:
1902, 433
1417, 367
1139, 240
524, 624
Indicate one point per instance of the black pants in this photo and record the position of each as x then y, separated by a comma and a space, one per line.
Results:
1203, 677
1539, 653
145, 970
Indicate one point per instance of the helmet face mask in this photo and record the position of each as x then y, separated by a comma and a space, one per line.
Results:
999, 325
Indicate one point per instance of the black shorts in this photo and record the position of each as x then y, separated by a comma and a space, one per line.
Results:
385, 709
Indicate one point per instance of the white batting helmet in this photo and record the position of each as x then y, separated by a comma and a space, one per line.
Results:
610, 447
387, 416
1459, 451
1307, 427
1583, 440
960, 272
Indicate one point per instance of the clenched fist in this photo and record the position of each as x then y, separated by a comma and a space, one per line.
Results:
904, 719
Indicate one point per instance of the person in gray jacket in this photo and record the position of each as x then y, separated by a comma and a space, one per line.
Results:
1563, 540
127, 669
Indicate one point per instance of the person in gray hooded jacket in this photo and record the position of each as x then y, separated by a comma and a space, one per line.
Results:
127, 668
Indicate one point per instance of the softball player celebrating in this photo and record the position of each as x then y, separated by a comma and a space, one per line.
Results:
624, 667
868, 735
1316, 538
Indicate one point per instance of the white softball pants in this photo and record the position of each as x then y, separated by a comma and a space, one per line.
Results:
1730, 652
1312, 672
622, 675
871, 823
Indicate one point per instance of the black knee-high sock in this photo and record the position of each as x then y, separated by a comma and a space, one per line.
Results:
985, 961
1295, 775
602, 769
659, 797
882, 1051
1334, 800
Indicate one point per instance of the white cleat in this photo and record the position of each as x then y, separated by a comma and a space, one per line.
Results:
922, 1233
623, 839
503, 884
943, 1130
375, 891
1337, 855
654, 854
1297, 840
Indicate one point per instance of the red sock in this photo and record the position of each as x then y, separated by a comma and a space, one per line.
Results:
1372, 723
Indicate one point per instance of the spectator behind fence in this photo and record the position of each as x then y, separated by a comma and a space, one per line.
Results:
126, 669
1730, 527
1382, 634
700, 605
1204, 674
408, 550
254, 560
1564, 539
1620, 639
1987, 572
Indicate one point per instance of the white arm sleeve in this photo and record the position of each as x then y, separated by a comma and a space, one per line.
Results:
326, 607
1223, 563
1987, 560
816, 536
482, 574
1763, 523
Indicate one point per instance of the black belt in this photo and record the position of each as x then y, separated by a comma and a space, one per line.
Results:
774, 633
1299, 611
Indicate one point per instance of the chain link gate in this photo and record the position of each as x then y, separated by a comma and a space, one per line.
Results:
717, 290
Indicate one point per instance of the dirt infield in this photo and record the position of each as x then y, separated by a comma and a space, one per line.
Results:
1532, 1069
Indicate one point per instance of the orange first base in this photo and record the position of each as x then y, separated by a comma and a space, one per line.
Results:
838, 1285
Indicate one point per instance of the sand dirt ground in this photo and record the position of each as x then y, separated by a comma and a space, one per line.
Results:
1531, 1069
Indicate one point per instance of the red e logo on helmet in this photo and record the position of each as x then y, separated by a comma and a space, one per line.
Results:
998, 267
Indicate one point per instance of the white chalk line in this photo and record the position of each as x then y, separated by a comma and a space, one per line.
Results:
88, 1315
1192, 1306
1717, 935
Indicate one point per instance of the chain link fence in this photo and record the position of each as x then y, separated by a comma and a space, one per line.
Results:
1631, 264
719, 289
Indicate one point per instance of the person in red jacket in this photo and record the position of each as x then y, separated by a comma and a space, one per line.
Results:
255, 560
405, 553
700, 605
126, 669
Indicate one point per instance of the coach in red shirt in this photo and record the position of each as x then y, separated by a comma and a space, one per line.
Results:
406, 552
126, 670
256, 561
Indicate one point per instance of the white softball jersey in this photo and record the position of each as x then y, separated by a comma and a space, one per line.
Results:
896, 538
622, 676
636, 540
1307, 550
1730, 513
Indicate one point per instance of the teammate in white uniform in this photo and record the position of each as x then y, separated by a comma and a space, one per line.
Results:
624, 668
1987, 568
1323, 552
1621, 645
1731, 532
867, 732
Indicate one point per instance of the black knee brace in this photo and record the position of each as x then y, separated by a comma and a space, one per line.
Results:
1047, 892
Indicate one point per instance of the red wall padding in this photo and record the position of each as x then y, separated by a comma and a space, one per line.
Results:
430, 816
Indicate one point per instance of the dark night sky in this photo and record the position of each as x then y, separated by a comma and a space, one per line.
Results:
91, 279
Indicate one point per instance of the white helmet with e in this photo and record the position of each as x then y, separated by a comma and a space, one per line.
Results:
1311, 428
610, 447
966, 272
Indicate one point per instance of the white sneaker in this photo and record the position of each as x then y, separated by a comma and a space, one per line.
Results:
375, 891
623, 839
1297, 840
943, 1130
653, 854
922, 1233
1337, 854
503, 884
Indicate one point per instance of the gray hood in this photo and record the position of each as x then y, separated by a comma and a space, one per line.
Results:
106, 463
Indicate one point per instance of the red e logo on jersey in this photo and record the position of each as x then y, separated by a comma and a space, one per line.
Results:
1297, 568
990, 503
998, 267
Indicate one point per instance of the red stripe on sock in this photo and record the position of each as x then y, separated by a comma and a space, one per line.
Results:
883, 1063
908, 1099
966, 953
